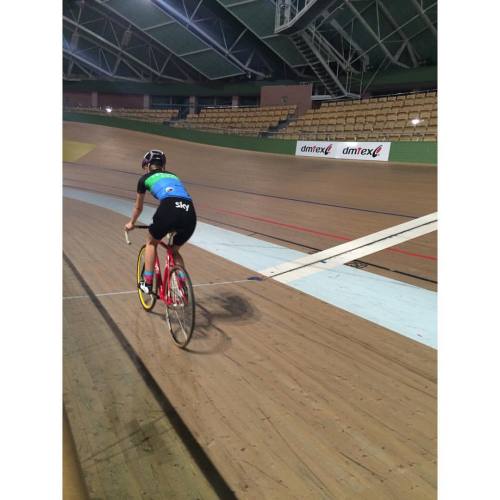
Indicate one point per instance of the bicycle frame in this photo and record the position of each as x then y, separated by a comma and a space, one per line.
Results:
174, 289
162, 293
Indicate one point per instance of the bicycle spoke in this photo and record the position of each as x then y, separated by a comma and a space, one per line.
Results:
181, 322
180, 314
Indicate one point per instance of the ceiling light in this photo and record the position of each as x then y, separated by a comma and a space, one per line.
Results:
74, 40
127, 35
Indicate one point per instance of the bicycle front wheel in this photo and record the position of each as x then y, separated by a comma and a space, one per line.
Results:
180, 313
148, 301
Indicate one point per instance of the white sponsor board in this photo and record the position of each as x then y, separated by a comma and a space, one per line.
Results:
378, 151
373, 151
320, 149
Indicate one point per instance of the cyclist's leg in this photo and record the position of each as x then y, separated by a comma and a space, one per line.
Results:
149, 258
187, 225
183, 234
177, 256
157, 231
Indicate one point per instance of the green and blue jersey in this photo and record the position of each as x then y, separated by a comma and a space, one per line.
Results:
162, 185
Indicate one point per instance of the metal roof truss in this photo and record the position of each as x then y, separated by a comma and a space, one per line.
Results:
109, 47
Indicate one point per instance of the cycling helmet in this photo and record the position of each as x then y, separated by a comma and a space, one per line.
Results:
155, 157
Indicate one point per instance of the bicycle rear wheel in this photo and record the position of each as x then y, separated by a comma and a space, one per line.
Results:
147, 301
180, 314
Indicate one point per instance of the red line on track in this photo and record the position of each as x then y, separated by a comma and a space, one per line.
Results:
313, 231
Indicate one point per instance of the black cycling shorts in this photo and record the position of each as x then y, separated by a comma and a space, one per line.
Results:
174, 214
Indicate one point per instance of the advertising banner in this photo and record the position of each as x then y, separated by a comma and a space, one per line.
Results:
320, 149
373, 151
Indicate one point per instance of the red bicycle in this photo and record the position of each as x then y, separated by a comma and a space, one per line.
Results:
174, 289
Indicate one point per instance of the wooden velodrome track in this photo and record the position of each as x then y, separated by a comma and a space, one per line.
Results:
280, 394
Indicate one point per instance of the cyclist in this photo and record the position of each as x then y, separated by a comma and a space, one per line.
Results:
175, 212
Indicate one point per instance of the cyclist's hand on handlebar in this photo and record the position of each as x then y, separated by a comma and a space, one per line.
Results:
129, 226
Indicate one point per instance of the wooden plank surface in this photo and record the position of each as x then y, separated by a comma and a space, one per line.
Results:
126, 446
73, 483
327, 201
288, 396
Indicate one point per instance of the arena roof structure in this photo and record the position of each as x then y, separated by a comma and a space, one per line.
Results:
344, 47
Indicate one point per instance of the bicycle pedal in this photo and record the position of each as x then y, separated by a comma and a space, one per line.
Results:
146, 292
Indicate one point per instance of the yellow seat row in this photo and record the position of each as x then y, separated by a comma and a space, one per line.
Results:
239, 119
408, 114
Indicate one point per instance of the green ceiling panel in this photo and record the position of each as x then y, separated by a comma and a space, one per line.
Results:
143, 14
285, 47
212, 64
258, 17
177, 38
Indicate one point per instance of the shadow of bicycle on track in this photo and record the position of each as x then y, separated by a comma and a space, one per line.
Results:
209, 336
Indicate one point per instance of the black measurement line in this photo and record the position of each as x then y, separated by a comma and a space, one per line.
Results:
197, 453
298, 200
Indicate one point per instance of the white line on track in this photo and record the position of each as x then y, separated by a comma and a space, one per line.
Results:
126, 292
226, 282
352, 250
71, 297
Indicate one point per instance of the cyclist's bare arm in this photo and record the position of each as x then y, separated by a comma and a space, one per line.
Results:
139, 204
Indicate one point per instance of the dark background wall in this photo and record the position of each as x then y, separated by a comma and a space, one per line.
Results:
120, 101
162, 101
277, 95
83, 99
